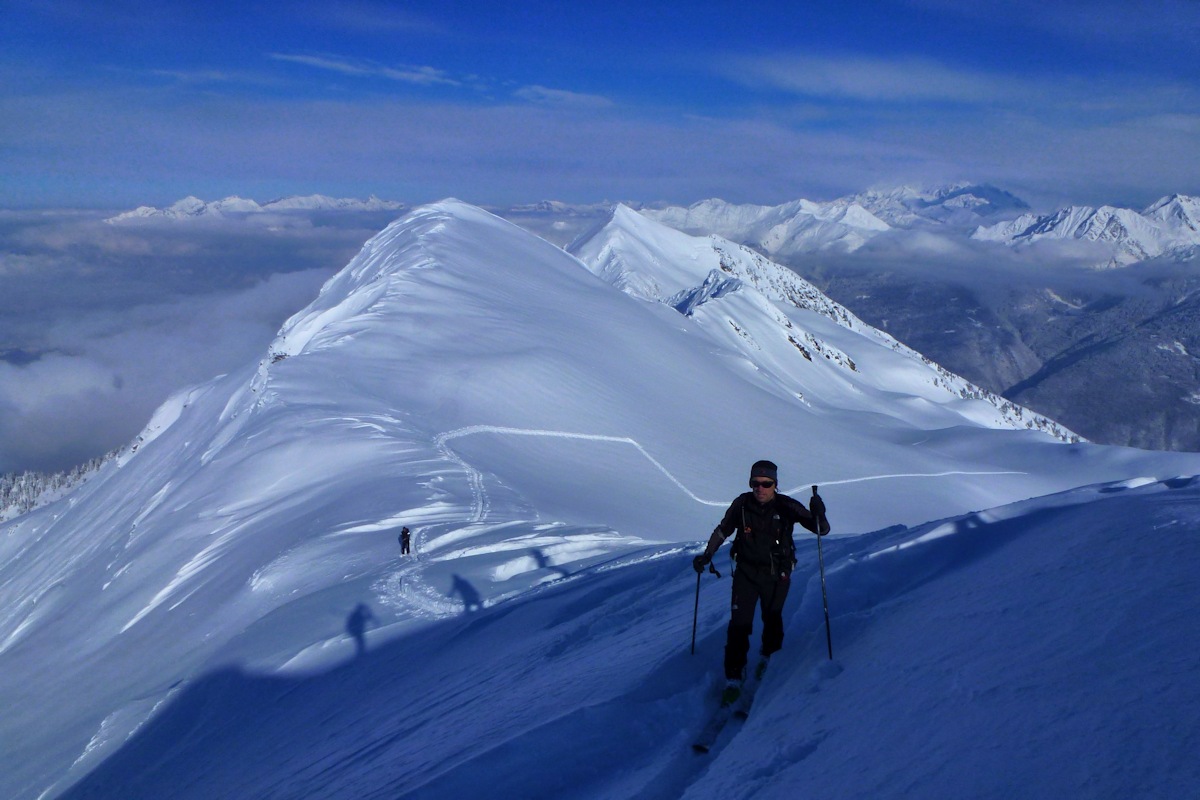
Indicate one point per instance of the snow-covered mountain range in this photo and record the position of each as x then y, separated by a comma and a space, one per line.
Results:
1112, 361
1170, 227
652, 262
955, 205
237, 207
845, 224
222, 611
797, 227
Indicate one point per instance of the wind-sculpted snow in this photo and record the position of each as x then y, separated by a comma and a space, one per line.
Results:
225, 611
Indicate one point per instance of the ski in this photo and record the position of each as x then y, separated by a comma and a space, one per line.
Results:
738, 709
712, 729
749, 689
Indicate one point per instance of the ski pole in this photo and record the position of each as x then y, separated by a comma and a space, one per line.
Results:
824, 595
696, 613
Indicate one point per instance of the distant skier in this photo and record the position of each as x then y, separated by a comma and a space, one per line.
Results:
764, 554
405, 541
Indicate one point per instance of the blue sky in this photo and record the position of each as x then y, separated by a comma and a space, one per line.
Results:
118, 103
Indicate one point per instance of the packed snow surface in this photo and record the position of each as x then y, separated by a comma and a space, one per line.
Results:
225, 612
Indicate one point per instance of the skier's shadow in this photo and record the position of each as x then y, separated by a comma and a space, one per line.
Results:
543, 562
356, 626
472, 601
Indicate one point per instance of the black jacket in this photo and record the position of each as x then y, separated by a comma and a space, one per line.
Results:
763, 531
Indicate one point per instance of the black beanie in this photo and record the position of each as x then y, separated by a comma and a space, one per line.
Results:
765, 469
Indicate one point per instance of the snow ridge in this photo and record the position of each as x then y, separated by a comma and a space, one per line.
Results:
691, 274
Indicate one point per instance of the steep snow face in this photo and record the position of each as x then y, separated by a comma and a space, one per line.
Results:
799, 339
798, 227
530, 423
1169, 227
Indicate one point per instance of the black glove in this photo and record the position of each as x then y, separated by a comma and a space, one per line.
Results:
701, 561
816, 506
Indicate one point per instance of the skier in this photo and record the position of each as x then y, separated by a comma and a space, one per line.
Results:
405, 541
764, 555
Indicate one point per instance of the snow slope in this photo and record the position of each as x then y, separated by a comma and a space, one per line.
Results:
1045, 649
223, 612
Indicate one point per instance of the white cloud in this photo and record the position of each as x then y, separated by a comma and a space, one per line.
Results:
364, 16
101, 374
908, 86
562, 99
1118, 22
874, 79
419, 75
100, 324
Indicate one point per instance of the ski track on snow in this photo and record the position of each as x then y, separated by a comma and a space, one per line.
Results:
481, 495
407, 588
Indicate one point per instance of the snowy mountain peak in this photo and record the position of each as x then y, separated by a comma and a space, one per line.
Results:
1170, 227
1177, 213
764, 311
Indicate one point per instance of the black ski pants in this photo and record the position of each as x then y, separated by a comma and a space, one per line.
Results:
754, 585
